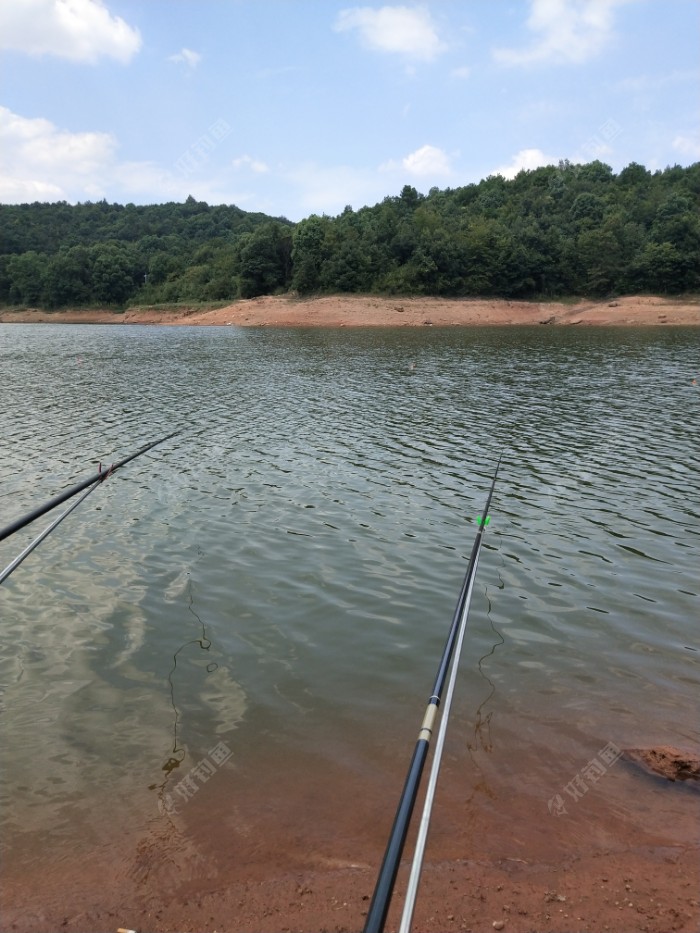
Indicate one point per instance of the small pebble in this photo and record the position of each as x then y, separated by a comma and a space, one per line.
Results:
498, 924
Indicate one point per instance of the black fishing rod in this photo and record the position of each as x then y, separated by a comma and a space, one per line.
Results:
98, 477
11, 567
381, 899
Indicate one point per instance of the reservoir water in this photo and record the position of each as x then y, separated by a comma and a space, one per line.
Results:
217, 666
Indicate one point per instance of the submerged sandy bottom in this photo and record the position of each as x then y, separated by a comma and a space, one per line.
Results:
296, 845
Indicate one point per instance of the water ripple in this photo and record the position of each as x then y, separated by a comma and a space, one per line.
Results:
323, 497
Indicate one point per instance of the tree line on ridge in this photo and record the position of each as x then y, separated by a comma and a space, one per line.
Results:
548, 233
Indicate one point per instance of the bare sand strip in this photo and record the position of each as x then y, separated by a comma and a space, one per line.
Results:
371, 311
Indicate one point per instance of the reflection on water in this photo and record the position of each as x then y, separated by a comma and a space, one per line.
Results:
280, 576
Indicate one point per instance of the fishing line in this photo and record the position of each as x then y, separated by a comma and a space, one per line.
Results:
178, 753
482, 725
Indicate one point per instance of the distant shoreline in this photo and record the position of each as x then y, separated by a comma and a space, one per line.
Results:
373, 311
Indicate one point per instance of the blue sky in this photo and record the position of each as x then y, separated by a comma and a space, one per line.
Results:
294, 107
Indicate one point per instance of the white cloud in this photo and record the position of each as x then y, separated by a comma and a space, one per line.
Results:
428, 160
591, 150
405, 30
687, 146
255, 165
328, 189
655, 82
526, 159
186, 57
40, 161
462, 72
566, 31
27, 190
423, 163
79, 30
145, 179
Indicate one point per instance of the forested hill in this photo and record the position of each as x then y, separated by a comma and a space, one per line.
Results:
60, 255
555, 231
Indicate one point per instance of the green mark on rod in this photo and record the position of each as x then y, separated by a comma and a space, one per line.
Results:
482, 522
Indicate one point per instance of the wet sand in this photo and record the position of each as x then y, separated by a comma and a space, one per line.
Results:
369, 311
646, 890
269, 848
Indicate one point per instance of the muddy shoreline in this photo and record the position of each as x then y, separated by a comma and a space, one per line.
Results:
651, 890
299, 862
371, 311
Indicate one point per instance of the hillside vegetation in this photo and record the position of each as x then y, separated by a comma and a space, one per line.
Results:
548, 233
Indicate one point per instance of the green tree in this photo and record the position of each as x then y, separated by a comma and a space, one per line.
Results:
116, 273
660, 268
309, 253
557, 230
68, 278
265, 260
26, 275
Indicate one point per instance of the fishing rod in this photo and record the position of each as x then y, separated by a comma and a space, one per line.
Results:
13, 565
381, 899
86, 487
424, 826
62, 497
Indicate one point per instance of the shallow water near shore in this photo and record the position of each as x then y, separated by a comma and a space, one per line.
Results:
216, 667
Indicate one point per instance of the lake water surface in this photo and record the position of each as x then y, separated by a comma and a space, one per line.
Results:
217, 666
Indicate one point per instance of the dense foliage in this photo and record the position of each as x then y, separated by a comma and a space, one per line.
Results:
58, 255
555, 231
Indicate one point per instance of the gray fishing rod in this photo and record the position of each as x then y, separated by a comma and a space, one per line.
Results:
384, 888
62, 497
